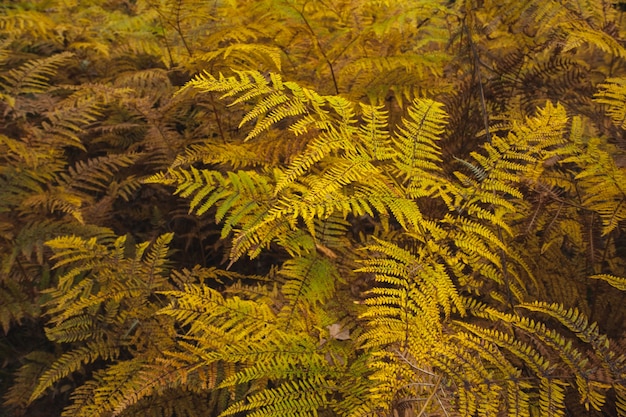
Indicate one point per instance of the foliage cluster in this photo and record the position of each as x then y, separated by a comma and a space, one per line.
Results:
312, 208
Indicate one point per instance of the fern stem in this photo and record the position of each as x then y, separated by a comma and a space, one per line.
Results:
483, 106
167, 44
319, 47
479, 80
431, 396
179, 29
217, 119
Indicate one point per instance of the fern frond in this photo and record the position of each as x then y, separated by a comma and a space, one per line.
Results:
575, 321
617, 282
198, 305
71, 249
584, 33
72, 361
620, 392
319, 148
33, 76
374, 132
14, 305
552, 397
592, 392
602, 182
33, 365
109, 388
16, 22
288, 400
524, 351
67, 120
247, 55
417, 139
612, 93
94, 175
307, 280
234, 155
283, 99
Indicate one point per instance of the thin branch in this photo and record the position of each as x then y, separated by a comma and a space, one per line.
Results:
431, 396
319, 47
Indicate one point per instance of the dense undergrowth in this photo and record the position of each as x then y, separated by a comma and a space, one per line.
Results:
311, 208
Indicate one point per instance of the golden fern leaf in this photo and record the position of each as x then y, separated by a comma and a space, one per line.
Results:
410, 273
620, 392
101, 395
102, 314
617, 282
307, 280
552, 397
612, 93
34, 75
319, 148
17, 22
602, 182
283, 99
71, 362
232, 155
246, 55
288, 399
583, 33
417, 139
592, 392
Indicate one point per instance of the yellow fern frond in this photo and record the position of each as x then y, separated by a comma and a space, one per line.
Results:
617, 282
33, 76
612, 93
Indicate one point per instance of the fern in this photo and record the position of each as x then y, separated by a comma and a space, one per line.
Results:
617, 282
15, 306
86, 305
601, 181
314, 154
33, 76
612, 94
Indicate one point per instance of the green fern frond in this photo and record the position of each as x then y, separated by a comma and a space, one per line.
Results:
307, 281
